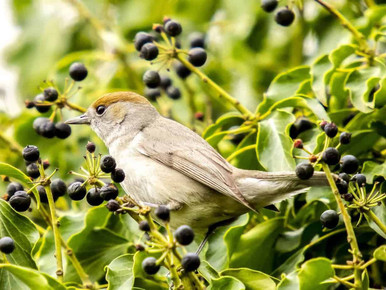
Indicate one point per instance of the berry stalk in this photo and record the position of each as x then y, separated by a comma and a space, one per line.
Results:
346, 24
57, 238
351, 238
235, 103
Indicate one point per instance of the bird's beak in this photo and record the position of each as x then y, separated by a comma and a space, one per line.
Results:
80, 120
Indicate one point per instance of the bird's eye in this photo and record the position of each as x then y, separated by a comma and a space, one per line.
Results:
100, 109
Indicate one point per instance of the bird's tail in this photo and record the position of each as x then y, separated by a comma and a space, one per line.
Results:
261, 189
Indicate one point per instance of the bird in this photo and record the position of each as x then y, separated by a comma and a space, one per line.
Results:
166, 163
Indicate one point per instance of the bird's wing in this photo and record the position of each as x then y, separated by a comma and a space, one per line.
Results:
189, 154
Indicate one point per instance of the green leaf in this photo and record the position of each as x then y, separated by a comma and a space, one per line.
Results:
380, 95
372, 169
253, 280
359, 85
380, 253
314, 272
220, 242
338, 55
13, 172
256, 249
319, 81
207, 271
226, 120
95, 245
226, 283
289, 282
365, 280
273, 143
283, 86
27, 279
380, 212
119, 273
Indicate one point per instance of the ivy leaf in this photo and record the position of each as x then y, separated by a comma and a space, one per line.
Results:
380, 95
226, 283
255, 249
252, 279
119, 273
226, 120
283, 86
27, 279
372, 169
273, 142
380, 253
319, 79
25, 235
10, 171
314, 272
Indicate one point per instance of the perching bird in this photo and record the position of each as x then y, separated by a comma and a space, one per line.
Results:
168, 164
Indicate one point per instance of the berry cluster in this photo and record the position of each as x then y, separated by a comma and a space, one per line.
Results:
352, 189
284, 16
98, 191
151, 49
51, 96
184, 235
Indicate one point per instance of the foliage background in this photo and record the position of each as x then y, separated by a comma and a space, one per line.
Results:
246, 51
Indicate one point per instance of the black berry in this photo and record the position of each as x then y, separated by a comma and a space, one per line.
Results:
269, 5
165, 82
149, 51
94, 197
182, 71
300, 125
197, 56
331, 130
345, 138
342, 186
31, 153
323, 124
344, 177
348, 197
360, 179
46, 164
329, 219
109, 191
50, 94
7, 245
107, 164
37, 122
152, 94
173, 28
331, 156
144, 226
40, 107
42, 194
184, 235
149, 265
62, 130
163, 213
90, 147
47, 129
12, 188
190, 262
304, 170
284, 17
349, 164
173, 93
151, 79
118, 175
33, 170
113, 205
78, 72
20, 201
76, 191
140, 39
197, 39
58, 187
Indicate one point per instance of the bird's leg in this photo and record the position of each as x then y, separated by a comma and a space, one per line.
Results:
211, 230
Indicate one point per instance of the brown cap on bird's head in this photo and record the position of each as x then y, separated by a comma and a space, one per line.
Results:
108, 99
116, 97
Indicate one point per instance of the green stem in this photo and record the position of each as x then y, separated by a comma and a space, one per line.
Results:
75, 107
376, 220
346, 24
57, 238
222, 93
74, 260
351, 238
